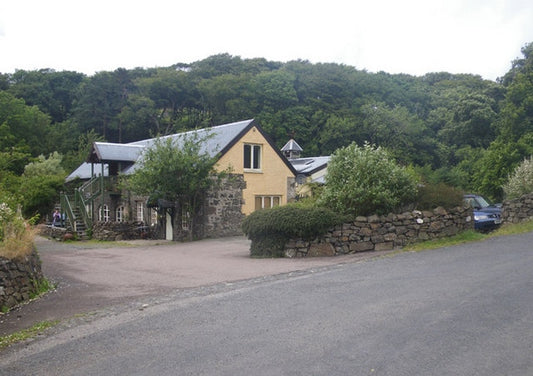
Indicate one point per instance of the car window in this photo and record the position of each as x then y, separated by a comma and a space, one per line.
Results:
481, 202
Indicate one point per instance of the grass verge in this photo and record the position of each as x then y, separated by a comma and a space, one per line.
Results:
471, 236
25, 334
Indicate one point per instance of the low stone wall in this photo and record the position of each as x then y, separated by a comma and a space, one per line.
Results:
377, 233
18, 279
518, 210
57, 233
115, 231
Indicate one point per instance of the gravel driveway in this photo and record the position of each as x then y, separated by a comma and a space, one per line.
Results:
95, 276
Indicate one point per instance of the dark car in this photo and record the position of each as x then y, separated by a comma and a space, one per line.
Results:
487, 216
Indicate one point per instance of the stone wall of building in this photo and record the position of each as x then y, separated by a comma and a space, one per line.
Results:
222, 212
518, 210
378, 233
18, 279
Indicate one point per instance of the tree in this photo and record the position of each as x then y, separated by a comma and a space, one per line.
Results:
40, 185
176, 170
53, 92
366, 180
21, 126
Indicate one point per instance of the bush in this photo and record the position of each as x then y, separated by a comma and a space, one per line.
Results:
270, 229
365, 181
16, 237
521, 180
431, 196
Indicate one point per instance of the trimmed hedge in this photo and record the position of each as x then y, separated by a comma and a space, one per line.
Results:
270, 229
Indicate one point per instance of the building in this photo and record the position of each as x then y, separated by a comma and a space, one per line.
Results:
308, 169
268, 179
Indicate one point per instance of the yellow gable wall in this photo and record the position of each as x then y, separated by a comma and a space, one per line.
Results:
270, 181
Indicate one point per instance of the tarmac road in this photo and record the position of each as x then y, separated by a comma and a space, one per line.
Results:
94, 277
462, 310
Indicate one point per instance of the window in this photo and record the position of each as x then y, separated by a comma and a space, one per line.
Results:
139, 209
252, 157
153, 217
265, 202
185, 219
120, 214
103, 213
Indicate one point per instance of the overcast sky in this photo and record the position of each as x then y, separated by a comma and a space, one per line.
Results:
409, 36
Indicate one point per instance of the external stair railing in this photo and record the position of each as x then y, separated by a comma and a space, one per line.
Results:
82, 207
66, 207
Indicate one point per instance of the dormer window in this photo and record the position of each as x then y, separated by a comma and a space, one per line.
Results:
252, 157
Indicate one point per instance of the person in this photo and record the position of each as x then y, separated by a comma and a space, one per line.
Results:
56, 218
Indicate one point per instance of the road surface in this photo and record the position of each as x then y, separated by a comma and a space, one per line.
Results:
463, 310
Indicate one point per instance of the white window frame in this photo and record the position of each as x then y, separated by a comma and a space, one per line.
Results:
119, 214
139, 210
254, 155
153, 217
103, 213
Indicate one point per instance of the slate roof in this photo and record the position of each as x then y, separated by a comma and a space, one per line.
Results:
84, 171
309, 165
219, 140
107, 152
292, 145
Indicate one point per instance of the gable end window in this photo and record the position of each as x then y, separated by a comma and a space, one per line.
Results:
252, 157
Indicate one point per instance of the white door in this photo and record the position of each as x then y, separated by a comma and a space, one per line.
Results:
169, 227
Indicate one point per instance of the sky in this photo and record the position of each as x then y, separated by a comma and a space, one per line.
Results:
416, 37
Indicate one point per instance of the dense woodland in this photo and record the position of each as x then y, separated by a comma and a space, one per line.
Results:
458, 129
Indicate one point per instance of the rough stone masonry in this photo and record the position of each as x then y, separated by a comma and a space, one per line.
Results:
18, 279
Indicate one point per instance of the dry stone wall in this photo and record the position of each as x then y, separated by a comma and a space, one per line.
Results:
115, 231
378, 233
518, 210
18, 279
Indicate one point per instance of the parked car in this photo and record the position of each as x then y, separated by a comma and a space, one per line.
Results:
487, 216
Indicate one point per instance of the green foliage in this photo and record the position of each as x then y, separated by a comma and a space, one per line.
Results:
21, 126
270, 229
41, 286
366, 180
174, 169
40, 185
431, 196
40, 193
45, 166
471, 132
178, 170
521, 180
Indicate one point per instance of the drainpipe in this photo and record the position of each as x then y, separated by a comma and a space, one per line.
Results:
102, 189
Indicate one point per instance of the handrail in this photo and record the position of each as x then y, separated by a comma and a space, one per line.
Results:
67, 207
80, 203
91, 188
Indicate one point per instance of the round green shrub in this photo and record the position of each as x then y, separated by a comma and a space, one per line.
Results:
270, 229
367, 180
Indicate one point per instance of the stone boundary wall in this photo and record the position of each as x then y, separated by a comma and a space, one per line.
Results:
518, 210
114, 231
379, 233
57, 233
18, 279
